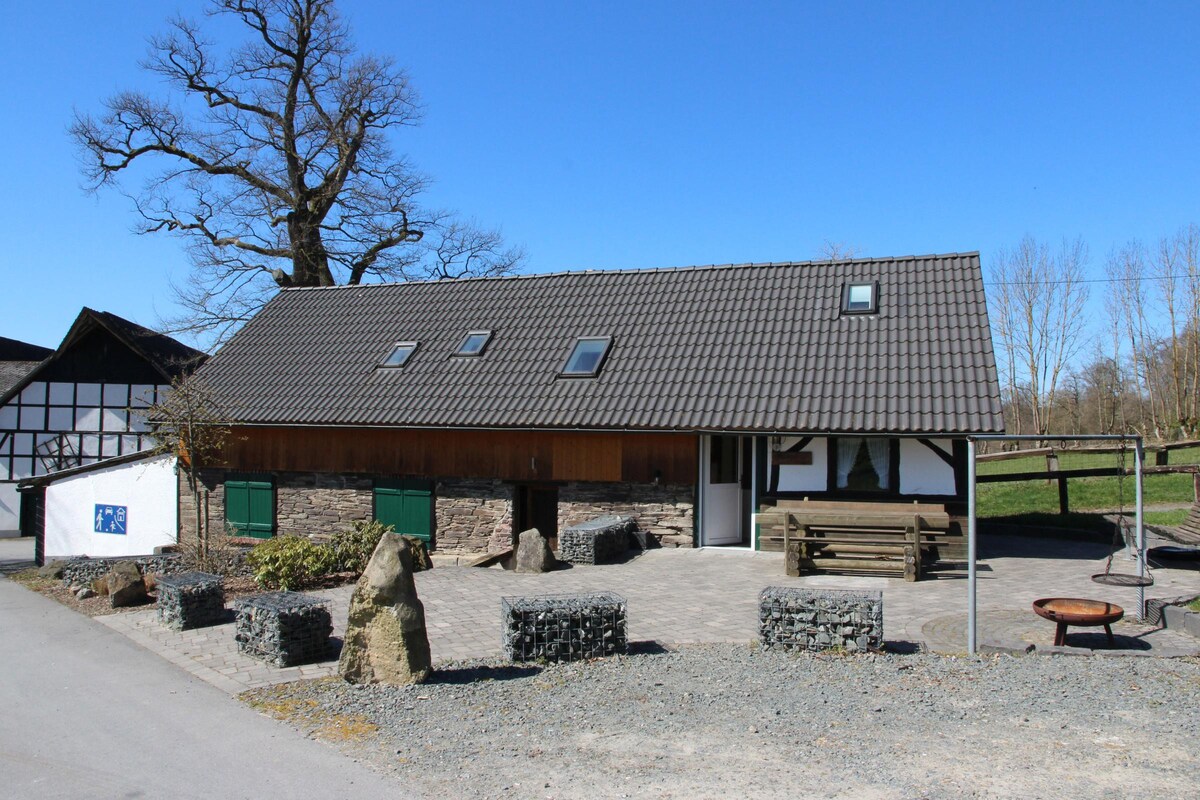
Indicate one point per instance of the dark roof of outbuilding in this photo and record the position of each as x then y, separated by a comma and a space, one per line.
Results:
17, 359
755, 347
16, 350
168, 357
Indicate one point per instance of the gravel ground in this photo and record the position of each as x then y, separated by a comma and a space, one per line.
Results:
727, 720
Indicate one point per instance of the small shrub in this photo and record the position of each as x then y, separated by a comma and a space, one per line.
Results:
289, 562
353, 548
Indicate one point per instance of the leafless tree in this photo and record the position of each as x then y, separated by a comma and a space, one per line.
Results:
275, 163
838, 251
1037, 298
188, 424
1155, 297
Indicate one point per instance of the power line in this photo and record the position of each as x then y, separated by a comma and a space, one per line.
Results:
1092, 280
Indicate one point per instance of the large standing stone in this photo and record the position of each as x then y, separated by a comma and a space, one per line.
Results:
533, 553
125, 585
52, 570
386, 640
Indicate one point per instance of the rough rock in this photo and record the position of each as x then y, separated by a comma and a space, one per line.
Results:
533, 553
53, 570
386, 640
125, 586
420, 554
84, 593
99, 585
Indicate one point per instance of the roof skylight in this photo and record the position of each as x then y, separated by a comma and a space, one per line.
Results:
860, 298
474, 343
399, 355
587, 356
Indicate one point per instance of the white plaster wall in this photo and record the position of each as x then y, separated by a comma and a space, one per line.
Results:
812, 477
10, 511
146, 488
921, 471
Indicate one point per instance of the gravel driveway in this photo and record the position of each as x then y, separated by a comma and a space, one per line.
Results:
733, 721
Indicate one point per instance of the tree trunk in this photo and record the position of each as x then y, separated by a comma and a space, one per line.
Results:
310, 261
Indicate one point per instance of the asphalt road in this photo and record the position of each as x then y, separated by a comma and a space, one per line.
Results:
86, 713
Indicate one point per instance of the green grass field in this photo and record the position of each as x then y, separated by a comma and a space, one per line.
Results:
1040, 497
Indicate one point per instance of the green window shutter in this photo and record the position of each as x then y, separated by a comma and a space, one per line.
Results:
407, 505
250, 506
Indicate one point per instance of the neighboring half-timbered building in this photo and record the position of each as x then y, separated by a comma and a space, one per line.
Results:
690, 398
80, 404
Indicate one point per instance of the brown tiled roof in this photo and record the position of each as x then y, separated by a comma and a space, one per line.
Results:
756, 347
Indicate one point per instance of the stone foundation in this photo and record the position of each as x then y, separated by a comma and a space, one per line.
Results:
666, 511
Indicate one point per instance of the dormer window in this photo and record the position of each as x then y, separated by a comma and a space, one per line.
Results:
474, 343
399, 355
587, 357
860, 298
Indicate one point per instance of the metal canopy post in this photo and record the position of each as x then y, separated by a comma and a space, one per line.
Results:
1141, 530
972, 641
971, 572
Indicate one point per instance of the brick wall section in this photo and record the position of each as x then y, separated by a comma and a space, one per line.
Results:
473, 516
667, 511
308, 503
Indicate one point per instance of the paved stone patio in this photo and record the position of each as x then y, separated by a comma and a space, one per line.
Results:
688, 596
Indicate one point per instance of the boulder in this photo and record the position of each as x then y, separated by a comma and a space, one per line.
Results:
125, 586
420, 554
533, 553
386, 640
84, 593
53, 570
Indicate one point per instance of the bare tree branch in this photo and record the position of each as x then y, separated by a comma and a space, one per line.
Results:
275, 164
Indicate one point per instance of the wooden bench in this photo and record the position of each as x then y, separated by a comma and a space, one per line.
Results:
1188, 531
898, 539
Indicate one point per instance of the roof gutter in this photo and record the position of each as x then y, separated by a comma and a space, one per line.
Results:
584, 429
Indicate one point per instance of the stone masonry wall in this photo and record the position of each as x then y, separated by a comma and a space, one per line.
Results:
308, 503
212, 502
666, 511
473, 516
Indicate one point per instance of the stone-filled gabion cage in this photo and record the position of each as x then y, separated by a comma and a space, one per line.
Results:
566, 627
602, 540
284, 628
190, 600
820, 619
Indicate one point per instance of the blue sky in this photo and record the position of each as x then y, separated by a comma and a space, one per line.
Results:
624, 135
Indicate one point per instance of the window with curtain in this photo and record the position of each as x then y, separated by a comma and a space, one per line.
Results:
863, 464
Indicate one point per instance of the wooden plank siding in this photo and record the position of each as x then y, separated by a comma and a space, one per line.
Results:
527, 456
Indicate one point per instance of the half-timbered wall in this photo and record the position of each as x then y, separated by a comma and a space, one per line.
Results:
53, 425
804, 467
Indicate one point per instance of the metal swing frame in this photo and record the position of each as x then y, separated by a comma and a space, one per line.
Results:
972, 532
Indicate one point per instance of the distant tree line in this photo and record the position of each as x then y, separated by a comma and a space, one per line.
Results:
1137, 371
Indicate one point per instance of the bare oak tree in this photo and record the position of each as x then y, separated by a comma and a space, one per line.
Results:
275, 163
1037, 304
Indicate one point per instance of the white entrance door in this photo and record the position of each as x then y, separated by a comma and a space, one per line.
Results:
721, 516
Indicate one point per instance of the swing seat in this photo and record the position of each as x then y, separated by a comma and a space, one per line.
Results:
1122, 579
